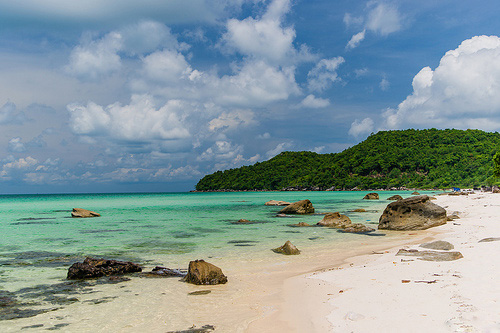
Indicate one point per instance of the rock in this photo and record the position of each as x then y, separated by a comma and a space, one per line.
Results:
496, 190
202, 272
277, 203
415, 193
438, 245
358, 210
80, 212
358, 228
335, 220
431, 255
395, 197
159, 271
299, 207
300, 224
489, 239
371, 196
94, 268
414, 213
452, 217
288, 248
432, 198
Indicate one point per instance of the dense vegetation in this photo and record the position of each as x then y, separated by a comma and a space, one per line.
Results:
411, 158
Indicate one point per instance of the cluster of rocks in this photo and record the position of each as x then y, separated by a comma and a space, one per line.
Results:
343, 222
199, 272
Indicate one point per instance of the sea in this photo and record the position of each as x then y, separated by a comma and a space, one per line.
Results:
40, 240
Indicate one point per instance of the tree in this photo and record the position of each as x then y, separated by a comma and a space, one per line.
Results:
496, 161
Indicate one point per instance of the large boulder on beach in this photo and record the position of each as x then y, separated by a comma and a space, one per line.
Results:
288, 248
335, 220
358, 228
299, 207
98, 267
277, 203
371, 196
80, 212
202, 272
414, 213
395, 197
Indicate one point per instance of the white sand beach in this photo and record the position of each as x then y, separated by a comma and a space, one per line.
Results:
382, 292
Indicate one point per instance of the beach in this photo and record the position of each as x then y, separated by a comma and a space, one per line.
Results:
382, 292
357, 285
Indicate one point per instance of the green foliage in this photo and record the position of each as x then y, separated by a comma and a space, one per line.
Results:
413, 158
496, 168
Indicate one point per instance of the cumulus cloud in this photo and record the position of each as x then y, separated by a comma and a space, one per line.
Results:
384, 84
232, 120
314, 102
265, 37
359, 128
324, 74
138, 121
280, 147
16, 145
462, 92
18, 167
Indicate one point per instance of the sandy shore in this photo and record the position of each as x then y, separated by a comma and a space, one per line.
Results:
382, 292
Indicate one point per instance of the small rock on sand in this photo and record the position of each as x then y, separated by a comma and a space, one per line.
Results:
438, 245
288, 248
431, 255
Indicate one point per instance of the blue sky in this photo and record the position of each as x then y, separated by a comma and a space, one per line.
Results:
122, 96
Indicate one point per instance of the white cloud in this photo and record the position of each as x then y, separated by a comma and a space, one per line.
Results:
265, 37
384, 84
94, 58
384, 19
324, 74
462, 92
10, 115
16, 145
166, 66
147, 36
359, 128
355, 40
314, 102
138, 121
16, 167
232, 120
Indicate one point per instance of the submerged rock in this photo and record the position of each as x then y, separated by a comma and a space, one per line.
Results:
371, 196
415, 193
288, 248
94, 268
277, 203
80, 212
431, 255
300, 224
358, 210
335, 220
202, 272
414, 213
299, 207
438, 245
395, 197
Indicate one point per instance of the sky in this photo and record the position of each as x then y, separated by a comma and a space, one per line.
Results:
151, 95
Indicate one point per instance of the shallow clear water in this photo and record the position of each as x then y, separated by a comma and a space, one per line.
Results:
40, 240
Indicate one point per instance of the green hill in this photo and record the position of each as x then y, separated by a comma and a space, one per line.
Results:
412, 158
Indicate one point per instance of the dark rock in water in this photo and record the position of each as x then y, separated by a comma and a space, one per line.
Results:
358, 210
288, 248
489, 239
200, 292
159, 271
80, 212
414, 213
194, 329
431, 255
241, 241
438, 245
415, 193
358, 228
244, 221
277, 203
300, 224
94, 268
202, 272
371, 196
299, 207
335, 220
395, 197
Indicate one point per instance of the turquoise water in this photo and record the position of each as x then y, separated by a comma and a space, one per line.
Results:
40, 240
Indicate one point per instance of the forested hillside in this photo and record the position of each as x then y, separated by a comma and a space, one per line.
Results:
412, 158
